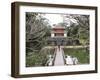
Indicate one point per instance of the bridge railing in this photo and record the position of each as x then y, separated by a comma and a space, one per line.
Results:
51, 61
54, 56
63, 56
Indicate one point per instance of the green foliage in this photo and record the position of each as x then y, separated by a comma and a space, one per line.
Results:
38, 58
37, 31
73, 31
82, 54
83, 30
79, 30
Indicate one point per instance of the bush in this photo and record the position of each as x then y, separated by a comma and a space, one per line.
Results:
38, 58
82, 54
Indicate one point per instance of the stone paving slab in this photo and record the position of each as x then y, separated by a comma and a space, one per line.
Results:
59, 61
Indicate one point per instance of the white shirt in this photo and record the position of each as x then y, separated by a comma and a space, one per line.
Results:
69, 60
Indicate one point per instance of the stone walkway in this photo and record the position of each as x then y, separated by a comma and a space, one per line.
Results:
59, 61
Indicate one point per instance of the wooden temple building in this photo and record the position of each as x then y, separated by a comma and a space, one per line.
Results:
58, 31
58, 35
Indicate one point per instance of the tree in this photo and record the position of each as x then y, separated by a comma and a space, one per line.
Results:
37, 31
83, 31
78, 27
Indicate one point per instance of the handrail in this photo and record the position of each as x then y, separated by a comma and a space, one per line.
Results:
64, 56
54, 56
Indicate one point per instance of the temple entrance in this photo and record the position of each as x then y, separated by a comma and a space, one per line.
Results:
59, 34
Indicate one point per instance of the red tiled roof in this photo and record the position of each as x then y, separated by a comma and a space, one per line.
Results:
58, 27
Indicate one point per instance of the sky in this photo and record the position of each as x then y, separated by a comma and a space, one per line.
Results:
54, 18
58, 18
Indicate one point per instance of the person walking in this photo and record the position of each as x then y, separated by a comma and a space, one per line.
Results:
75, 60
59, 47
69, 60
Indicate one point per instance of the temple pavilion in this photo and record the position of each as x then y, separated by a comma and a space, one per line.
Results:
58, 35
